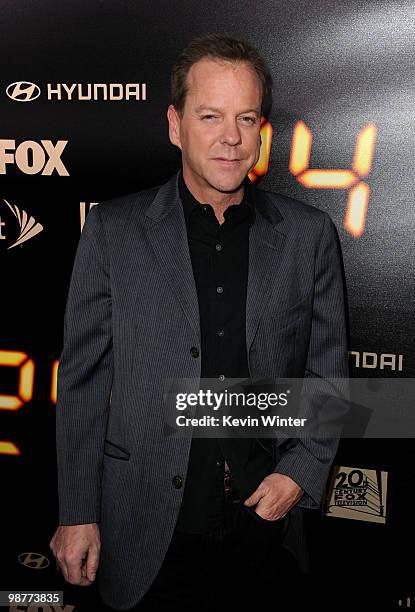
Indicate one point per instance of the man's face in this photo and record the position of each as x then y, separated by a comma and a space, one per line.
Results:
219, 131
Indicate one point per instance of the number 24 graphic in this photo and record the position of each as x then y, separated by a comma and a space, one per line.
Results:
350, 179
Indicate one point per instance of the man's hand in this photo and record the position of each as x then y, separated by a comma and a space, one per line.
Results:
76, 549
275, 496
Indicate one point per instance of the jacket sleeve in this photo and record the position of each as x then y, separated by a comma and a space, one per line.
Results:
84, 381
309, 459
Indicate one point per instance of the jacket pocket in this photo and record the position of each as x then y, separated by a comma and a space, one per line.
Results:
276, 525
298, 311
115, 451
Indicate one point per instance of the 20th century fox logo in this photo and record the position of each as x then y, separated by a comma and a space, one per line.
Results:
357, 493
351, 489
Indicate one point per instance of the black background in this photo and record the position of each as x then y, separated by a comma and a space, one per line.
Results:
336, 66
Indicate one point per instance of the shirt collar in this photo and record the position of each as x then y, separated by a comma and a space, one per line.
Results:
190, 203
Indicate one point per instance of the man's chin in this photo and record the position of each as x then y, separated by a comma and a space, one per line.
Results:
227, 184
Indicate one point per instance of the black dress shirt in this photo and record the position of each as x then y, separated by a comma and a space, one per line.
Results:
219, 255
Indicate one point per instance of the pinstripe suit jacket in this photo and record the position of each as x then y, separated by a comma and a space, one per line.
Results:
131, 318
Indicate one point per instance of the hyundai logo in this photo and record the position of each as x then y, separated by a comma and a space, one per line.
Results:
23, 91
33, 560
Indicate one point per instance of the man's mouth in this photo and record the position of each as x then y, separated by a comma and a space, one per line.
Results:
227, 161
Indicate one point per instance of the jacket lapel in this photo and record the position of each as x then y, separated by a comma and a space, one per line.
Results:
167, 234
266, 244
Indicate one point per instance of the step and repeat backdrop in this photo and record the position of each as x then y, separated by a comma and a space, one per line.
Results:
83, 100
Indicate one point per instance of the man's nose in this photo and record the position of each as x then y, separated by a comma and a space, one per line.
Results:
231, 134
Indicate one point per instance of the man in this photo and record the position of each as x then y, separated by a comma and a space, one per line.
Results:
204, 277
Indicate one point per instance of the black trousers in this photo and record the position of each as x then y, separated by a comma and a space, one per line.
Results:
241, 564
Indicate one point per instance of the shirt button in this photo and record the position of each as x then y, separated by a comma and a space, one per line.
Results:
221, 332
219, 289
218, 247
222, 377
177, 482
194, 351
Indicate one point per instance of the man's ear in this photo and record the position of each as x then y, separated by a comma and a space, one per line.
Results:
174, 126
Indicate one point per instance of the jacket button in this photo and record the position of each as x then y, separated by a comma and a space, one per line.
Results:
177, 482
194, 351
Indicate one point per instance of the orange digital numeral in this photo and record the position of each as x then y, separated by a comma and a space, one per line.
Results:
261, 167
54, 385
8, 448
24, 393
26, 374
359, 191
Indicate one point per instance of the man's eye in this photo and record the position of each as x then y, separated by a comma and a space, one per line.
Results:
251, 120
208, 116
